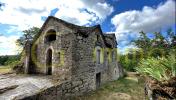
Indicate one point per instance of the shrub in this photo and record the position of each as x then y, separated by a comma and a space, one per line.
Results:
160, 69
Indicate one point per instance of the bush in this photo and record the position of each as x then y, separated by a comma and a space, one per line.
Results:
128, 64
130, 60
161, 69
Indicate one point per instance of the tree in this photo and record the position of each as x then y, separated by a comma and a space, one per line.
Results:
160, 45
27, 36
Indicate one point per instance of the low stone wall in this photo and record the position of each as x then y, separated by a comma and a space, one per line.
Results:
65, 91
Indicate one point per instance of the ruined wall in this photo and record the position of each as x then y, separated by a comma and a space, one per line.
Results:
58, 92
83, 70
74, 60
61, 50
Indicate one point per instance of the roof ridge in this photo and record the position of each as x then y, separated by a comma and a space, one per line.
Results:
71, 25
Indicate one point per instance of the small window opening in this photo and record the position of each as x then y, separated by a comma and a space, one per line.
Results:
108, 58
59, 57
98, 56
98, 37
113, 56
51, 36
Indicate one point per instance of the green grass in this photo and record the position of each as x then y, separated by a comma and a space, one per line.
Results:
4, 69
122, 89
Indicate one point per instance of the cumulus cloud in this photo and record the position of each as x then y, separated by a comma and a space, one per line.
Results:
84, 12
28, 13
25, 13
8, 46
129, 23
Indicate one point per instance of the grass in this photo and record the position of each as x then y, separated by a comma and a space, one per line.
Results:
4, 69
122, 89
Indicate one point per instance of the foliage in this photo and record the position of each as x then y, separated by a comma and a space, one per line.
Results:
161, 69
27, 36
159, 45
130, 60
6, 60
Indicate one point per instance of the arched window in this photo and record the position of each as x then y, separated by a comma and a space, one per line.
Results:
50, 36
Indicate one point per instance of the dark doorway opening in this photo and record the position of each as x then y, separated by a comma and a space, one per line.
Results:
49, 62
98, 80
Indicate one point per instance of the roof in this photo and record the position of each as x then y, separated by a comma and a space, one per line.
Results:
78, 29
85, 31
109, 39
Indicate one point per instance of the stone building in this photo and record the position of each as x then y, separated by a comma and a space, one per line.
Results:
83, 56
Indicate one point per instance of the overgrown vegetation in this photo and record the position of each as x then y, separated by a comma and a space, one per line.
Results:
159, 45
161, 69
10, 61
157, 63
122, 89
130, 60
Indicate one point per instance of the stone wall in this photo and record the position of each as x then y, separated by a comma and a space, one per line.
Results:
83, 70
74, 60
63, 91
61, 51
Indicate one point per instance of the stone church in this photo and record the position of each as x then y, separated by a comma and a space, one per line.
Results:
84, 56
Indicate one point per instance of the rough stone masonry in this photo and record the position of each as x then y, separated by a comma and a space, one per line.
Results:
81, 58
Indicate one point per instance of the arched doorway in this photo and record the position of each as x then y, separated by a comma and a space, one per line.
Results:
49, 62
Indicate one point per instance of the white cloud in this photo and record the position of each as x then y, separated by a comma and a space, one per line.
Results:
129, 23
8, 46
126, 49
84, 12
27, 13
148, 20
23, 14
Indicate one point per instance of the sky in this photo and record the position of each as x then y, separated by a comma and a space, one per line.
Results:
125, 18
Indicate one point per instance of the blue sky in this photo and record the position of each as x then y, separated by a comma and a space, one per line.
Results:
125, 18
